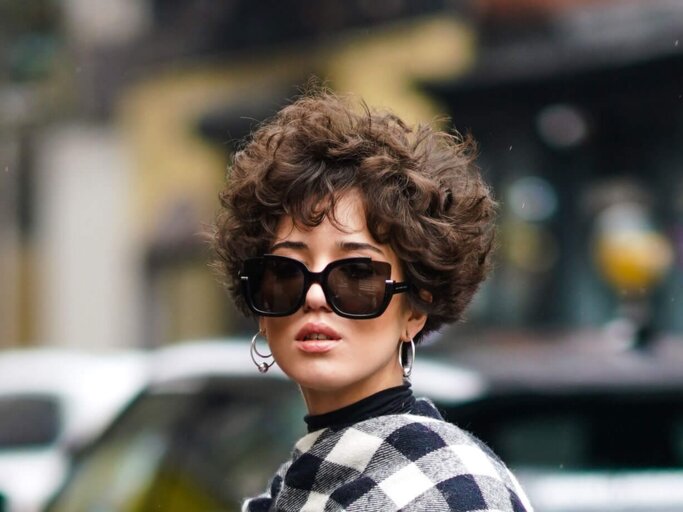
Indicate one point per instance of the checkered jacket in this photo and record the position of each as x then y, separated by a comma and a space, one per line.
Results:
408, 462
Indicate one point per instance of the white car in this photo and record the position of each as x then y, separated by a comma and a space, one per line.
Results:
208, 430
52, 401
584, 428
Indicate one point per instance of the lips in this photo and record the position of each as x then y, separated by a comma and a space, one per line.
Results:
317, 331
317, 338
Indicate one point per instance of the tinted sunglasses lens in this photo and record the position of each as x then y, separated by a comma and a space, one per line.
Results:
279, 286
358, 288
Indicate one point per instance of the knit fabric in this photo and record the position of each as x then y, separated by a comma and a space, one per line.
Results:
408, 462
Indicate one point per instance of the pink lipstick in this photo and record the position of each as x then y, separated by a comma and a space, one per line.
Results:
317, 338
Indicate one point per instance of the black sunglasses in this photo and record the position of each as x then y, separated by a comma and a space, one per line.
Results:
358, 288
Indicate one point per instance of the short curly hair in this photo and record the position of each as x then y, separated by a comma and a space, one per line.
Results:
423, 195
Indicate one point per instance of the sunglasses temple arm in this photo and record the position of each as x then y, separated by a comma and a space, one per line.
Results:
400, 287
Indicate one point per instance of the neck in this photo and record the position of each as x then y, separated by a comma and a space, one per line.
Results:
323, 401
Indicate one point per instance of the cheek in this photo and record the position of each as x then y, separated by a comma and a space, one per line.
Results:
275, 327
387, 327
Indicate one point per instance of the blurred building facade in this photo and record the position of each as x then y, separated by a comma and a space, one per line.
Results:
118, 119
578, 113
113, 166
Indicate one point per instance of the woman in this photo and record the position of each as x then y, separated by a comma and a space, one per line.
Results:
350, 236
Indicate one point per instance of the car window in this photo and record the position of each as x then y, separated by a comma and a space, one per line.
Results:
558, 440
202, 450
28, 421
609, 432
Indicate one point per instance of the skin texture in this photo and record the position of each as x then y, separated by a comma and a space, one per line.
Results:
363, 357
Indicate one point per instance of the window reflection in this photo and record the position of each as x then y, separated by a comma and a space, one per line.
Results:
181, 452
28, 421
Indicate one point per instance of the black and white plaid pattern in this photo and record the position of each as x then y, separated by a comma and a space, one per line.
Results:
408, 462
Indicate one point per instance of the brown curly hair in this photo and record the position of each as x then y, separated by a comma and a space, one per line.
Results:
422, 194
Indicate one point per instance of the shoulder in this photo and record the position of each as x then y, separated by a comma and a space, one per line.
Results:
263, 502
409, 462
464, 471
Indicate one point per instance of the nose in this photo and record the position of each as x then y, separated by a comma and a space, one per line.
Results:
315, 299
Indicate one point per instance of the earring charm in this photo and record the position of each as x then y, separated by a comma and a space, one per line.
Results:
263, 366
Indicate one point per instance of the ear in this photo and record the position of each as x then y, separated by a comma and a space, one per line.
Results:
425, 295
416, 319
415, 323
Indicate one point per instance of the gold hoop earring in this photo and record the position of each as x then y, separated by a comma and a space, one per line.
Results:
410, 358
262, 366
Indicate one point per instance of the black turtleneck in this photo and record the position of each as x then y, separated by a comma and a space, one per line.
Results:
396, 400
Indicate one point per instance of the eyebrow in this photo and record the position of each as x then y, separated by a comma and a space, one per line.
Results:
345, 246
288, 245
356, 246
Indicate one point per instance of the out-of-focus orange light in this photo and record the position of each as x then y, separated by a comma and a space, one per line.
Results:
633, 261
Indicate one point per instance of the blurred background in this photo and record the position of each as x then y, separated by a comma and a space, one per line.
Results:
118, 119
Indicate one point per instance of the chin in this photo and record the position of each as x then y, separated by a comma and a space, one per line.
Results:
320, 376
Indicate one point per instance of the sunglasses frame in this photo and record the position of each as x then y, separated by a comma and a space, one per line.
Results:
390, 289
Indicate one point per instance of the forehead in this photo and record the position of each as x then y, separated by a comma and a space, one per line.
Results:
345, 234
347, 218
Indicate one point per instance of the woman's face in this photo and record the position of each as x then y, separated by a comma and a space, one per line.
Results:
335, 360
